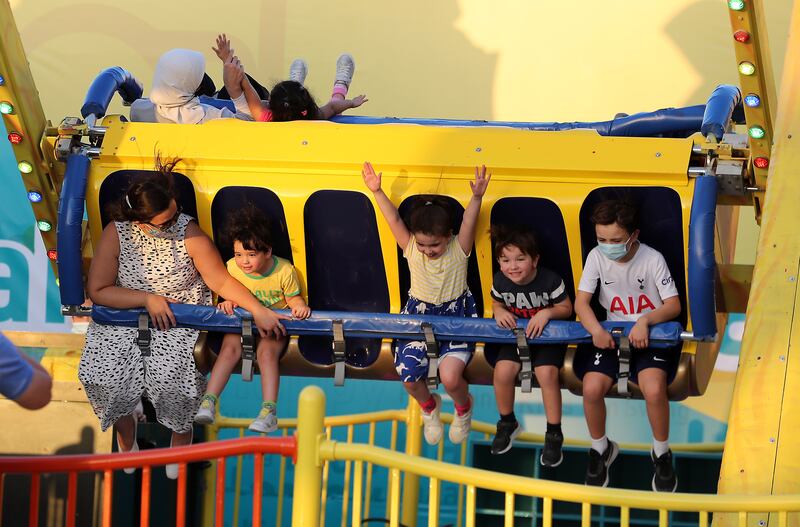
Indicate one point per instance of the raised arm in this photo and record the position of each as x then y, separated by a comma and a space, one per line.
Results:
389, 211
209, 264
337, 106
466, 234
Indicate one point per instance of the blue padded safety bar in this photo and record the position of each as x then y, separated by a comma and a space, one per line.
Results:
101, 91
69, 230
383, 325
720, 109
702, 265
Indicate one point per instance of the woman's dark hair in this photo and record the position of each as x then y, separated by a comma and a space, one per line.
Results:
250, 227
291, 101
147, 194
431, 215
521, 237
207, 87
620, 211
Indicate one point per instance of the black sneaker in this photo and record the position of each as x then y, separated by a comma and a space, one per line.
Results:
597, 471
551, 453
504, 437
664, 478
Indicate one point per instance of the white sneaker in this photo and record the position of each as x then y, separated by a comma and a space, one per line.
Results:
432, 427
134, 448
461, 425
172, 468
298, 71
266, 421
345, 68
207, 412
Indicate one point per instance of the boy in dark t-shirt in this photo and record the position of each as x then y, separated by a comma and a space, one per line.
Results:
521, 289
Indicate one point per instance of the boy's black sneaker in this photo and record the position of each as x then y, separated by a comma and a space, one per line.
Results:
664, 478
504, 437
551, 453
597, 471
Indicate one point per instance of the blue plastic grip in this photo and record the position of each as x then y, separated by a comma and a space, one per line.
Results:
101, 91
702, 264
719, 110
69, 230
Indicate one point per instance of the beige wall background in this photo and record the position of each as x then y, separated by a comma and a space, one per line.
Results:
524, 60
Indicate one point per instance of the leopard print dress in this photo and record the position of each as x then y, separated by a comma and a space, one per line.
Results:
112, 369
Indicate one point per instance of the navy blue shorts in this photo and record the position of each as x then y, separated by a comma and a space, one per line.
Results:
589, 358
541, 355
410, 358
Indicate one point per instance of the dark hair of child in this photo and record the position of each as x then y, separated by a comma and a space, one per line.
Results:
621, 212
291, 101
522, 238
430, 215
250, 227
147, 195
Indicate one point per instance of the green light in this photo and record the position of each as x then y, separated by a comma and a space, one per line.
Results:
736, 5
6, 108
25, 167
44, 225
746, 68
756, 132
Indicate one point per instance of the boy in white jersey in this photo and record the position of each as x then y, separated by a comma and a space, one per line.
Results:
634, 285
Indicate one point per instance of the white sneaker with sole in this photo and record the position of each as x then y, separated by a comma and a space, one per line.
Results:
345, 68
172, 468
207, 412
134, 448
461, 425
266, 421
298, 71
432, 427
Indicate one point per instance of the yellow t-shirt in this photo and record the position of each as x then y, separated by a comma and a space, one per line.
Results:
440, 280
273, 287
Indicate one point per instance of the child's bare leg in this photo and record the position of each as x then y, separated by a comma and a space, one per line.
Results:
418, 390
547, 376
228, 358
451, 372
125, 425
504, 381
595, 387
268, 355
653, 382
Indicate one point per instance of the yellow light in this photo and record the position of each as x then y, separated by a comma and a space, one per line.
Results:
25, 167
746, 68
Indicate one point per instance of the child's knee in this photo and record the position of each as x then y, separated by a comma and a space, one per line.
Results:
505, 373
547, 376
451, 379
230, 351
269, 351
653, 389
594, 388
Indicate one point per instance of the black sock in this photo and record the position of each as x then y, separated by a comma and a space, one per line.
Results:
554, 428
508, 418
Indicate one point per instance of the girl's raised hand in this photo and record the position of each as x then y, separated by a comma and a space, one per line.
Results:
223, 49
371, 179
481, 182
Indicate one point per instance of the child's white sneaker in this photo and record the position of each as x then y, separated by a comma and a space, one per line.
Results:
298, 71
266, 421
172, 469
461, 425
345, 68
207, 412
432, 427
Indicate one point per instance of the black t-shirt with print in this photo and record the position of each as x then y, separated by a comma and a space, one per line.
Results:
545, 290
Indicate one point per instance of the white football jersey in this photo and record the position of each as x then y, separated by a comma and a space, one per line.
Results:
631, 288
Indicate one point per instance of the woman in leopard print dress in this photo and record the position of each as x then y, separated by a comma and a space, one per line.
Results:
150, 256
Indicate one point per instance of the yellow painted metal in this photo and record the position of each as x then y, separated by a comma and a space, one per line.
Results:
463, 461
434, 492
413, 448
624, 516
28, 118
326, 468
392, 446
586, 514
368, 493
508, 520
663, 518
763, 436
346, 482
281, 486
547, 512
703, 519
358, 487
470, 514
394, 503
307, 471
742, 519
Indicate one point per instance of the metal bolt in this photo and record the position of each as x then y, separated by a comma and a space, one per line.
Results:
762, 523
478, 149
305, 143
782, 357
771, 439
133, 138
792, 278
658, 154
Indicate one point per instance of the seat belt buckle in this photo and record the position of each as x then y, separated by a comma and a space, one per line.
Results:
143, 335
248, 349
432, 353
339, 355
524, 352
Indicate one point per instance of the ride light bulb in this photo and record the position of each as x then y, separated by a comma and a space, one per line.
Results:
761, 162
746, 68
756, 132
34, 196
44, 225
741, 36
736, 5
752, 100
6, 108
25, 167
15, 138
52, 254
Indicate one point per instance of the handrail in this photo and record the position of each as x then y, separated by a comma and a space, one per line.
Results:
485, 479
284, 446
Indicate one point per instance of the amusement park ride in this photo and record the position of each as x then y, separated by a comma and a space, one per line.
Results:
688, 167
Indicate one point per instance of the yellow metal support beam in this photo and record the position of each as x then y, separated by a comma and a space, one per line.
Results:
763, 437
308, 470
413, 448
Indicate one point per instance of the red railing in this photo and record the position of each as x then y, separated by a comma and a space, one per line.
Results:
108, 463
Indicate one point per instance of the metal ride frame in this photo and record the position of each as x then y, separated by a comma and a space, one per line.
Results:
313, 451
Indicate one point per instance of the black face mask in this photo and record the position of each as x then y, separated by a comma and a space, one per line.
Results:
206, 87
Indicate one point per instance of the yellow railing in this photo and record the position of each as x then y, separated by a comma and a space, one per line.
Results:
359, 474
